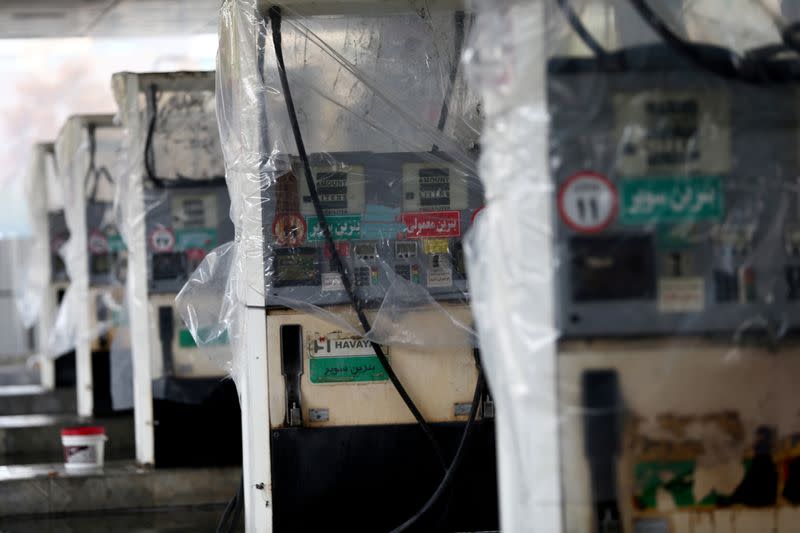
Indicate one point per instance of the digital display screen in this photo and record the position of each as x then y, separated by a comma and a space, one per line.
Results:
366, 250
168, 266
332, 191
100, 264
194, 211
430, 186
434, 187
296, 267
341, 189
665, 131
405, 249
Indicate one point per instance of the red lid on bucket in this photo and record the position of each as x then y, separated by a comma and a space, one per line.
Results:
87, 430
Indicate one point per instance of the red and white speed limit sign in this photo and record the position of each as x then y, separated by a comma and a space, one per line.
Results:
162, 240
588, 202
98, 243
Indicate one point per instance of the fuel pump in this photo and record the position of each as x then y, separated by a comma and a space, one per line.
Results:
334, 392
87, 148
176, 211
667, 171
356, 364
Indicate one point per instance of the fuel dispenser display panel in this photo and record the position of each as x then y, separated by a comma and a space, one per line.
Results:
183, 225
676, 233
660, 228
397, 218
340, 189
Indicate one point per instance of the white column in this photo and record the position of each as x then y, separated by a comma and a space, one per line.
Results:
513, 298
138, 306
80, 285
253, 388
251, 357
47, 367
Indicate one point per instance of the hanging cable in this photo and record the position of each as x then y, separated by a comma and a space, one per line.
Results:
233, 511
724, 63
758, 66
93, 173
90, 134
574, 21
149, 153
791, 36
149, 156
754, 67
447, 480
790, 32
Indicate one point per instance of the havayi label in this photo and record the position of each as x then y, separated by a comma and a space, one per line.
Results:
336, 357
336, 343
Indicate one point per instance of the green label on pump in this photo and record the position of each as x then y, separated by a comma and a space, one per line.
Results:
669, 199
196, 238
343, 228
185, 339
115, 243
346, 369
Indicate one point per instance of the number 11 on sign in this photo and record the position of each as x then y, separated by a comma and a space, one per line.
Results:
588, 202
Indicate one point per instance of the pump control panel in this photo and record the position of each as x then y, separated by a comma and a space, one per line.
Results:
678, 207
184, 223
396, 218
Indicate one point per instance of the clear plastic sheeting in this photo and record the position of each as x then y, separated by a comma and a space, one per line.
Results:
87, 149
206, 304
42, 195
636, 271
390, 131
173, 208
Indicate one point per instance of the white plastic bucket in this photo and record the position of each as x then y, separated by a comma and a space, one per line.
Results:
84, 447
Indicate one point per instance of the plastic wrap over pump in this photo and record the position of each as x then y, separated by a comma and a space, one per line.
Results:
636, 271
389, 130
87, 149
43, 200
174, 211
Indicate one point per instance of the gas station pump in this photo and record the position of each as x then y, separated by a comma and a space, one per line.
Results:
175, 209
655, 180
327, 387
87, 149
350, 150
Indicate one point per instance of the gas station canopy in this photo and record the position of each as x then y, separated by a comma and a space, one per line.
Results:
106, 18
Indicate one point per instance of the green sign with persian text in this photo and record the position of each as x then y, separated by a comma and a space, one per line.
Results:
343, 228
346, 369
669, 199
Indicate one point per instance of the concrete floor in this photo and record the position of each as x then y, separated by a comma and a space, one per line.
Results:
172, 520
48, 489
35, 438
37, 494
